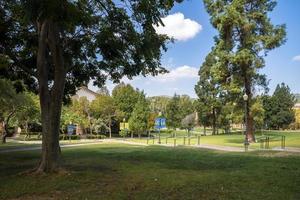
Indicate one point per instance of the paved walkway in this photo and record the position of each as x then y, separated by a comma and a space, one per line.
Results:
118, 141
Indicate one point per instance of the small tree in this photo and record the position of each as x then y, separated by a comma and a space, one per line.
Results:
138, 122
188, 122
11, 103
173, 115
279, 108
125, 98
103, 107
29, 113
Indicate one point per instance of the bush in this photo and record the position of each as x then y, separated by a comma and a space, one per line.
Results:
95, 136
123, 133
67, 137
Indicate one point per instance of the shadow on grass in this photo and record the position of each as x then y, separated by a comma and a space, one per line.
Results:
113, 158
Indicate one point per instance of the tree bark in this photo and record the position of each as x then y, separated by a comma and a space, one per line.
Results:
248, 116
214, 121
50, 97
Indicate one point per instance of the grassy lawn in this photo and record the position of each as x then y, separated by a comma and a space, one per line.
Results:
234, 140
13, 145
112, 171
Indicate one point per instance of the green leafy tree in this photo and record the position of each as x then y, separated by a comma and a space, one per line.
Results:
204, 114
12, 103
125, 98
138, 122
103, 107
186, 106
188, 122
56, 46
246, 35
29, 113
78, 112
209, 92
158, 104
279, 108
173, 115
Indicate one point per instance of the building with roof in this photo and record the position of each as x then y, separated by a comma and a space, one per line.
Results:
85, 92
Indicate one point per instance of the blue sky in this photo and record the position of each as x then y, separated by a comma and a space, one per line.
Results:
189, 23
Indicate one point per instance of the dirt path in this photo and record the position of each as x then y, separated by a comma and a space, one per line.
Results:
121, 141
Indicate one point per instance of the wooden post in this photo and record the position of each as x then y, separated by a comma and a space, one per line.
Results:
198, 140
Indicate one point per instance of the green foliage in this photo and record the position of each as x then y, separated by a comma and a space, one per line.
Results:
22, 108
258, 112
123, 133
159, 103
186, 106
125, 98
103, 107
99, 126
188, 122
278, 108
246, 35
138, 122
173, 115
99, 39
30, 112
210, 92
76, 113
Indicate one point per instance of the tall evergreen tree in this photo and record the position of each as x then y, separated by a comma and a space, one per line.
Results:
173, 115
246, 35
279, 108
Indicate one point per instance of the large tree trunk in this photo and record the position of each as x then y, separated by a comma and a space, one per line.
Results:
248, 116
50, 97
214, 124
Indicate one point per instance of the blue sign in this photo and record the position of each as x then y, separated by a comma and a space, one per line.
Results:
160, 123
71, 129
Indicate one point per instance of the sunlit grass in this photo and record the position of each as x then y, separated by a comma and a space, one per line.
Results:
115, 171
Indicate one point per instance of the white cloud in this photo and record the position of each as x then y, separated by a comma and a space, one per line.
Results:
179, 28
183, 72
296, 58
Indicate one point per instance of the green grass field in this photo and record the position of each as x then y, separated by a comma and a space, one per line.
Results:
234, 140
112, 171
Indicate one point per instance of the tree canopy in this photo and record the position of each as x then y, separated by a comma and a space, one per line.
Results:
56, 46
